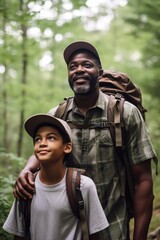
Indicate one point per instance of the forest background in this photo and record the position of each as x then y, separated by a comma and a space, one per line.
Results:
33, 76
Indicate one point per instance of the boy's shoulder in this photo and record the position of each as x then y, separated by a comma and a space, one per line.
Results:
86, 181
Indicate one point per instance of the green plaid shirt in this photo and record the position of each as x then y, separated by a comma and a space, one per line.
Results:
93, 149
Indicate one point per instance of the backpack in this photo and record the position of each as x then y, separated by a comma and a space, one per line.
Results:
75, 198
118, 83
119, 88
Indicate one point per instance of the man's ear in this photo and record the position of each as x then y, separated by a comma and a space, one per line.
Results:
67, 148
100, 72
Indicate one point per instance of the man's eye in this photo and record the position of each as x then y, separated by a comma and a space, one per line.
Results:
88, 65
72, 67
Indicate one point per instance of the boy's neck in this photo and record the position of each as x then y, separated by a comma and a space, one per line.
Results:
51, 175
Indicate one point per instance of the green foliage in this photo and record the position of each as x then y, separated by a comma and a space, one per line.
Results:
9, 162
130, 44
6, 199
10, 166
145, 15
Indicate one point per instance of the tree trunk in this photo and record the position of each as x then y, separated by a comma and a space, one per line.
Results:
23, 79
5, 142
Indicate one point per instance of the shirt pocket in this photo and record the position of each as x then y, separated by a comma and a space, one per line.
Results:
106, 151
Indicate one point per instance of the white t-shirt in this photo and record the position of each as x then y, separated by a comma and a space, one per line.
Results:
51, 214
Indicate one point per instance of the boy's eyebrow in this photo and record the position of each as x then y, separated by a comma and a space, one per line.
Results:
48, 133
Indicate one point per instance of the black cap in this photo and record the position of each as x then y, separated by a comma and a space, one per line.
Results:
80, 45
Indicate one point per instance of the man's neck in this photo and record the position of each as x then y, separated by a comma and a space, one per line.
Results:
86, 101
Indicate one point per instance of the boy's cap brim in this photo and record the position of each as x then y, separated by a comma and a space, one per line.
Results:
77, 46
34, 122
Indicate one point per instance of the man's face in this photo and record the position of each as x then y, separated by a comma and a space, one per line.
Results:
83, 73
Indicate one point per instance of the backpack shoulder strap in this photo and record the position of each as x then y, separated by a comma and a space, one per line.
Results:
117, 131
115, 118
76, 199
25, 208
61, 111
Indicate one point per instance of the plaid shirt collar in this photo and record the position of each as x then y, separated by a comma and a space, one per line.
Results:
100, 103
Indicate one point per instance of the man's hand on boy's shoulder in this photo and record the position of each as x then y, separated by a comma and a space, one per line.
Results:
24, 186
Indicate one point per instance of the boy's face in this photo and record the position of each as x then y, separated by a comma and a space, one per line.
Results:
49, 145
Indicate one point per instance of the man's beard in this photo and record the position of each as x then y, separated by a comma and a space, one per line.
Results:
88, 87
81, 89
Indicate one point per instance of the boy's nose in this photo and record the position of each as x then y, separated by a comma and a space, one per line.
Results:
43, 142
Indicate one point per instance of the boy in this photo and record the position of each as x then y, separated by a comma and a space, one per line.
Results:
51, 214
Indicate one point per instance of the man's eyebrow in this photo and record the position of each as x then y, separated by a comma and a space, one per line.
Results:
83, 61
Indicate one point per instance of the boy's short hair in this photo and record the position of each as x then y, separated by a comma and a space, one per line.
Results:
34, 122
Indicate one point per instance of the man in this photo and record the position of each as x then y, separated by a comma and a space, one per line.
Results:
94, 150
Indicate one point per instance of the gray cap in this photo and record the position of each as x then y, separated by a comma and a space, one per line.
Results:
80, 45
34, 122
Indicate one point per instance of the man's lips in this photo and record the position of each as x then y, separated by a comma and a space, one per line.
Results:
80, 80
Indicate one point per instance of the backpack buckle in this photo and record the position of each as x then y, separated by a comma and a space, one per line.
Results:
79, 198
118, 96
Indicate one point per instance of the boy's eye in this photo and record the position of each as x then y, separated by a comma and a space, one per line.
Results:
51, 138
37, 139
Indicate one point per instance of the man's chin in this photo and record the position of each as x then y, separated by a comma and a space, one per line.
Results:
81, 90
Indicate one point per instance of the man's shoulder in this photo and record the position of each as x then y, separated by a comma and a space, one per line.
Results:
130, 109
53, 110
69, 100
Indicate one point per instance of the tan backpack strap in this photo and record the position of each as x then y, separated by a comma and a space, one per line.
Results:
115, 119
117, 131
61, 111
76, 199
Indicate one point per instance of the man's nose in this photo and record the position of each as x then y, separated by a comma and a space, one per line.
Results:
80, 68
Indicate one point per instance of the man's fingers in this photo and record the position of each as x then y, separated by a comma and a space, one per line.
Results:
20, 191
24, 186
18, 194
31, 180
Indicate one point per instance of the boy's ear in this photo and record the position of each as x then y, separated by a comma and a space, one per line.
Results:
68, 148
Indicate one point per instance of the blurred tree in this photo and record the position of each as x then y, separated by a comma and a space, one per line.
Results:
4, 81
145, 17
24, 22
